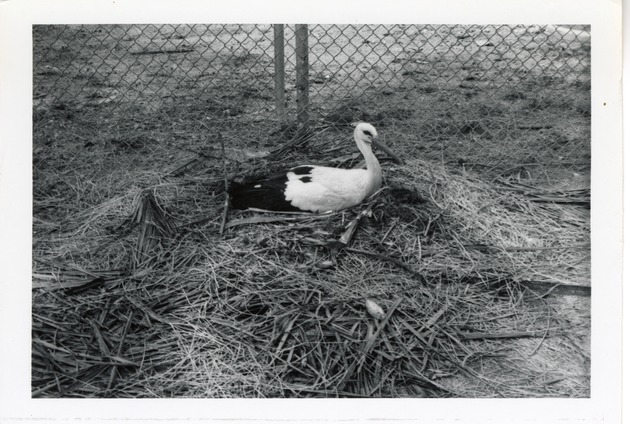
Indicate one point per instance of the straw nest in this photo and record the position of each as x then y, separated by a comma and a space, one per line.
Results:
441, 285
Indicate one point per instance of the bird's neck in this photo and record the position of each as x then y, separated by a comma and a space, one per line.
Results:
371, 162
373, 169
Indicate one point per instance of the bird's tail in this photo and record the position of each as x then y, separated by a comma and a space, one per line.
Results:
262, 194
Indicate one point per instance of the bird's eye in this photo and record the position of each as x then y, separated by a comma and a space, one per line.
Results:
366, 132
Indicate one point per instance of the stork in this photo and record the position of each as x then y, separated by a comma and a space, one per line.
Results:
315, 188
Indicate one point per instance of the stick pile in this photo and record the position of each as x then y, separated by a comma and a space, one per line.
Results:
149, 299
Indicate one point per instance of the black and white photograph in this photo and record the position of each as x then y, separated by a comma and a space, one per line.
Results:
285, 210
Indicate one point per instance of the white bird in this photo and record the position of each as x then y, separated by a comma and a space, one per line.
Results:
316, 188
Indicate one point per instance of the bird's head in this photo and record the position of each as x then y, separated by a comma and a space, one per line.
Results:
365, 132
365, 135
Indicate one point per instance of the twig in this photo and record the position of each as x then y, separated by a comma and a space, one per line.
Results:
352, 227
387, 232
112, 374
385, 258
559, 288
582, 201
369, 345
506, 335
287, 332
485, 248
577, 246
225, 179
268, 219
542, 339
86, 286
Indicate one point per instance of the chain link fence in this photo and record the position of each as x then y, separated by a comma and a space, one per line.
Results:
503, 101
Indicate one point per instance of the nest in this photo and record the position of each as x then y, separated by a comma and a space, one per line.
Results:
141, 296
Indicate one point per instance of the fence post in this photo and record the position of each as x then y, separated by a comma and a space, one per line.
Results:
278, 60
301, 62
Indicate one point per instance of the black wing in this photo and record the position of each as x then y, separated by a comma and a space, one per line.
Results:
265, 193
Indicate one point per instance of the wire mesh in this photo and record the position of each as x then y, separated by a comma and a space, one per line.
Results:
500, 100
497, 99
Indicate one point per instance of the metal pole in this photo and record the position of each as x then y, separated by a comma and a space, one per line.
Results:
278, 60
301, 62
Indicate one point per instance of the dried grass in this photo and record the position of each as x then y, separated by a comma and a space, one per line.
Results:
145, 298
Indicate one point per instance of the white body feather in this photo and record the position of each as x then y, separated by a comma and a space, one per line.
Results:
331, 189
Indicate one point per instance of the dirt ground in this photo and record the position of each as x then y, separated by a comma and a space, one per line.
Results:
122, 109
452, 93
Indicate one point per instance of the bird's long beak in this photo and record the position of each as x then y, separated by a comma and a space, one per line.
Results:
387, 150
